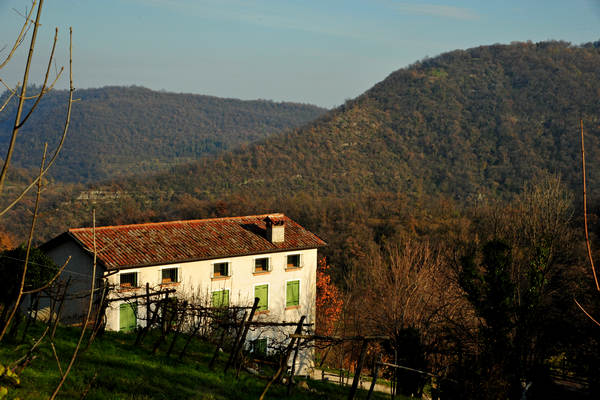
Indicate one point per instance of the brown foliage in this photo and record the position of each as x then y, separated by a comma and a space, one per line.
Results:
6, 241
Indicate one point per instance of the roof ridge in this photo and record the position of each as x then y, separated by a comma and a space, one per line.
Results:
176, 222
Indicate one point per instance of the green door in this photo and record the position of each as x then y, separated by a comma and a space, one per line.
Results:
127, 320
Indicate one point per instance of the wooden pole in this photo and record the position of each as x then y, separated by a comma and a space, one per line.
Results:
219, 346
142, 332
359, 365
179, 327
245, 333
235, 342
291, 379
147, 303
189, 339
60, 308
166, 322
33, 304
239, 343
373, 379
284, 359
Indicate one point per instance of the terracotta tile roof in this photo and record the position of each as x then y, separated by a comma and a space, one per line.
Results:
179, 241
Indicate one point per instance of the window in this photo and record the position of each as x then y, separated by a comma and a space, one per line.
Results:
292, 293
262, 292
220, 298
293, 261
261, 265
169, 275
128, 280
258, 347
220, 269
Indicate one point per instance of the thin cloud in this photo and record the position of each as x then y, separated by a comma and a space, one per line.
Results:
437, 10
260, 13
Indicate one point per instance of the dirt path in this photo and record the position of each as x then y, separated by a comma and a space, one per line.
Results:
319, 375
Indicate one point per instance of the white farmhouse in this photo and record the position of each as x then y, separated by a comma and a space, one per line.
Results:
227, 260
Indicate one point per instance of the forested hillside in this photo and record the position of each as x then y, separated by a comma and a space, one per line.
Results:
468, 122
442, 133
118, 131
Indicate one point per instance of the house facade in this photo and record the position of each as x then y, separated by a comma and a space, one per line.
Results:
220, 261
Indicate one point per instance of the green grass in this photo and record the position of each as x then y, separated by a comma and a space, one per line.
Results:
126, 372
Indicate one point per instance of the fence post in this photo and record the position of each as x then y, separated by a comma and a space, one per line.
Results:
193, 333
291, 378
284, 359
239, 331
359, 365
179, 326
241, 339
373, 379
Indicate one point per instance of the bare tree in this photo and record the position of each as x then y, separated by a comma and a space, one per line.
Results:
404, 291
20, 92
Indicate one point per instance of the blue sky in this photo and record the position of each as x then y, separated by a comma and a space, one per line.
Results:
312, 51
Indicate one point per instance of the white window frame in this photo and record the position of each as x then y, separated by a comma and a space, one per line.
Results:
299, 291
212, 268
130, 271
300, 263
268, 294
269, 264
172, 266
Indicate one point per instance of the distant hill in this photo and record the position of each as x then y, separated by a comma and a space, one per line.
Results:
466, 123
118, 131
463, 126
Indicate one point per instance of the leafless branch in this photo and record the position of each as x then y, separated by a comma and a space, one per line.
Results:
21, 35
51, 281
585, 221
585, 312
43, 90
15, 130
8, 99
64, 133
29, 243
24, 359
87, 317
57, 360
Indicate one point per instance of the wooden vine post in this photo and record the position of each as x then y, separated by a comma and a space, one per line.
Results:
241, 337
291, 378
284, 357
373, 379
359, 365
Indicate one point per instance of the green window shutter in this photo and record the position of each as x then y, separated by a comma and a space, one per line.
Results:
262, 292
220, 298
292, 293
127, 319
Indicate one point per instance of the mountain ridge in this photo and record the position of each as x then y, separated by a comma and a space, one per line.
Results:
115, 130
466, 123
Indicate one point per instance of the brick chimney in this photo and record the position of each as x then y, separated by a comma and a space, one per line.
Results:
275, 228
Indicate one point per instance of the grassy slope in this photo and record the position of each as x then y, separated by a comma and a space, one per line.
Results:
126, 372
